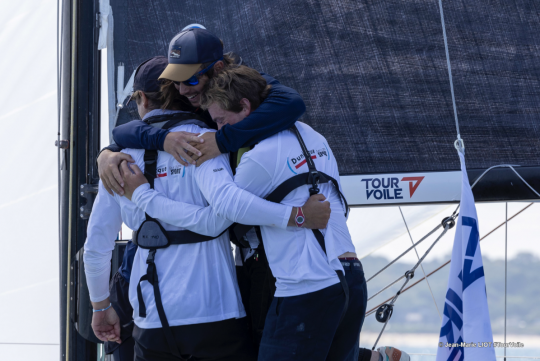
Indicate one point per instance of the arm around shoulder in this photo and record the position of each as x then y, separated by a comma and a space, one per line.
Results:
278, 112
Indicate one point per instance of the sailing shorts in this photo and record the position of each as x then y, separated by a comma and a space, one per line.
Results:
307, 327
226, 340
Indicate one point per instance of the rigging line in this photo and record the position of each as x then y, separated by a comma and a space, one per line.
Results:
506, 166
370, 312
415, 244
448, 223
415, 266
449, 70
505, 271
387, 287
421, 266
404, 253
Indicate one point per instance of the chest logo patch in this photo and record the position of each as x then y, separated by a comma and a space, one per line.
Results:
179, 170
299, 161
162, 172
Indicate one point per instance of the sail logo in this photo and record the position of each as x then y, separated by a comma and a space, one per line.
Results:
390, 188
162, 172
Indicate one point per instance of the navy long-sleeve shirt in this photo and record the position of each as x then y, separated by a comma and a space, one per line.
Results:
279, 111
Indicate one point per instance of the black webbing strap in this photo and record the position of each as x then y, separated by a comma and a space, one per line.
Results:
167, 121
152, 277
150, 166
314, 178
301, 179
184, 237
320, 239
313, 175
174, 237
240, 230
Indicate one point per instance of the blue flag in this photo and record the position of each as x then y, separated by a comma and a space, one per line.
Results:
466, 327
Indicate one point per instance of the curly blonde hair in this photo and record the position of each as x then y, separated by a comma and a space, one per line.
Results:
231, 85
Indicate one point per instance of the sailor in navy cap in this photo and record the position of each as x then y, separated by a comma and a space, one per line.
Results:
185, 297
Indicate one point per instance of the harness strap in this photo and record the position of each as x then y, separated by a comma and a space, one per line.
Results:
173, 237
238, 231
320, 239
180, 237
152, 278
167, 121
301, 179
314, 177
150, 166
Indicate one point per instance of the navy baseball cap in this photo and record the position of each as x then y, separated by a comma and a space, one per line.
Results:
147, 74
188, 50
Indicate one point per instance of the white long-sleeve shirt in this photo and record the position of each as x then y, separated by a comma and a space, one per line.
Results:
198, 281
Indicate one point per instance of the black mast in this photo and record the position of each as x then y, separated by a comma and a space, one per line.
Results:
79, 114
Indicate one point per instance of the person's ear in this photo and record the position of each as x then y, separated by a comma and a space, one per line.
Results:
218, 66
246, 106
144, 100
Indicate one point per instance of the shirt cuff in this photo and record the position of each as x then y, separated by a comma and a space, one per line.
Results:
220, 139
161, 140
100, 298
286, 217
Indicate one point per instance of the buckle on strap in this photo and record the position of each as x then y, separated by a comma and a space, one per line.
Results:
151, 257
314, 178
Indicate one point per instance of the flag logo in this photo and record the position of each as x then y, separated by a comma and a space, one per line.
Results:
466, 322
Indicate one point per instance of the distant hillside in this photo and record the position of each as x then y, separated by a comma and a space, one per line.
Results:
415, 310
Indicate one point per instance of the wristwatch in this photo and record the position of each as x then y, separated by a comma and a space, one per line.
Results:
300, 218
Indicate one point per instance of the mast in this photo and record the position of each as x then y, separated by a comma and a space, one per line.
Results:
79, 77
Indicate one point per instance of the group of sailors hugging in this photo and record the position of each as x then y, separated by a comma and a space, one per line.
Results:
292, 288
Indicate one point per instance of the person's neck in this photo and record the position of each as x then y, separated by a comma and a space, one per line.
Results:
148, 111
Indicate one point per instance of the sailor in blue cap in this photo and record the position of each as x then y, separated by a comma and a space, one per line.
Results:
185, 296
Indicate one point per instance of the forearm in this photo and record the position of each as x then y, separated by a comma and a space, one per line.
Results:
103, 226
139, 135
236, 204
198, 219
279, 111
101, 304
240, 206
97, 268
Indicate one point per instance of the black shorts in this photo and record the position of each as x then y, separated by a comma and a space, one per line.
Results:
226, 340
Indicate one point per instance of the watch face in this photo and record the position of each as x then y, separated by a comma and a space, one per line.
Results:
299, 219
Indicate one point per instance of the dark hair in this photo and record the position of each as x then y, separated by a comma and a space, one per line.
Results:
227, 60
231, 85
172, 99
167, 98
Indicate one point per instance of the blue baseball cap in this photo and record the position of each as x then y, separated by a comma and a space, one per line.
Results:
188, 51
147, 74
